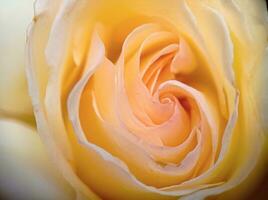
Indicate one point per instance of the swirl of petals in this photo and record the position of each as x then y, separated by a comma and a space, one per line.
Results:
158, 117
165, 125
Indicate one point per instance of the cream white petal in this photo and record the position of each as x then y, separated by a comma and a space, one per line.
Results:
15, 16
26, 172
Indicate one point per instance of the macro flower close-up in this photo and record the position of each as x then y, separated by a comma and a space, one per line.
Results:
144, 99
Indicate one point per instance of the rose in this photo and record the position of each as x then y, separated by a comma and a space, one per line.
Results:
16, 110
149, 99
101, 88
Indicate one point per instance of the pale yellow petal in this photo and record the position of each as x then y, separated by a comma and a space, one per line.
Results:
54, 136
263, 92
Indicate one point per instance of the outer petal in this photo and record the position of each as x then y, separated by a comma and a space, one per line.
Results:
25, 170
15, 16
263, 92
53, 135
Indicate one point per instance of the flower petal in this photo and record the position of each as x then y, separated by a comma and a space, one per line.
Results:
37, 74
14, 19
26, 171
